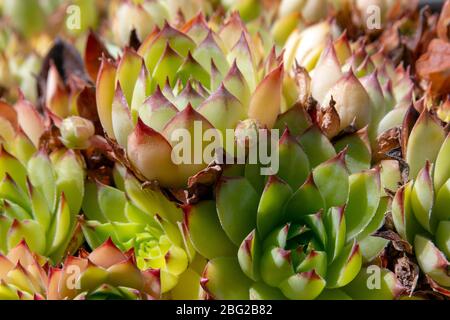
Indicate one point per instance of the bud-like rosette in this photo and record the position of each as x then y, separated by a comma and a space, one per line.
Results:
364, 89
419, 208
41, 198
146, 222
187, 83
76, 132
105, 273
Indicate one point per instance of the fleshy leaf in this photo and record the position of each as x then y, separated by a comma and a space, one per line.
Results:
237, 204
205, 231
271, 205
363, 200
223, 280
424, 142
331, 178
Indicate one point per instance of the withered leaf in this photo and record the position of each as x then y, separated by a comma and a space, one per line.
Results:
95, 50
407, 272
67, 61
398, 243
386, 142
329, 120
443, 25
434, 67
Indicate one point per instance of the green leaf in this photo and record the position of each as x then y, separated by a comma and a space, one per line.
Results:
378, 219
271, 205
41, 211
249, 255
296, 119
43, 177
440, 210
151, 201
5, 224
315, 260
10, 191
31, 232
374, 283
346, 266
317, 146
425, 141
275, 265
432, 261
294, 164
112, 203
402, 215
224, 280
11, 166
261, 291
206, 232
303, 286
363, 200
422, 198
306, 200
237, 204
128, 72
335, 224
331, 178
90, 206
442, 166
70, 179
359, 155
60, 229
443, 237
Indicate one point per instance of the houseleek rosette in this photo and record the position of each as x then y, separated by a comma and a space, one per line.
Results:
421, 207
365, 85
105, 273
181, 77
293, 235
41, 191
143, 220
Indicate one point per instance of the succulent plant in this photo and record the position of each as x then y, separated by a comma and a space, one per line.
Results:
181, 77
367, 88
292, 235
142, 16
105, 273
142, 220
41, 191
420, 207
17, 62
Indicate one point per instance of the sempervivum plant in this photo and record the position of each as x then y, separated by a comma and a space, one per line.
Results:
41, 191
420, 208
185, 79
143, 220
105, 273
367, 88
143, 15
292, 235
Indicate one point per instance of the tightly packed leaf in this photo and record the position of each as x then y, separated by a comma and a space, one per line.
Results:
180, 79
421, 207
142, 220
41, 192
294, 234
365, 85
105, 273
